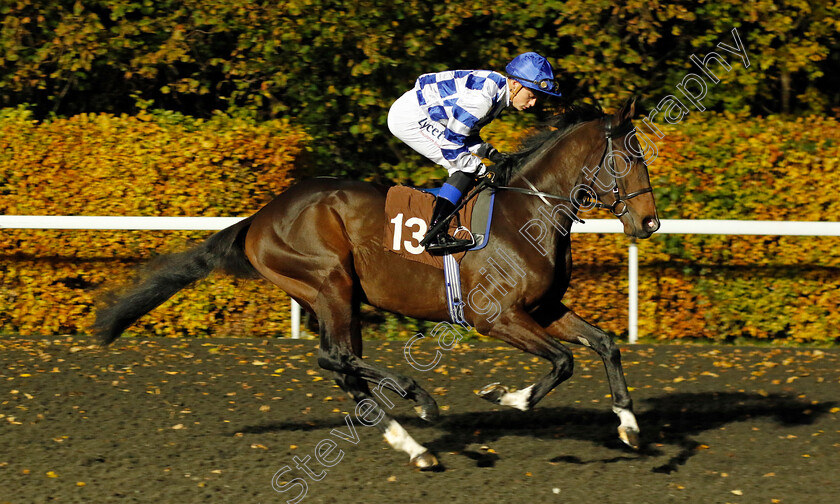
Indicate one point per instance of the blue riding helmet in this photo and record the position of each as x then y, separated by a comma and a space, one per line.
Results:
534, 72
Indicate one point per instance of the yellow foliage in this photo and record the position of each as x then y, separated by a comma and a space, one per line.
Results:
727, 287
99, 164
699, 286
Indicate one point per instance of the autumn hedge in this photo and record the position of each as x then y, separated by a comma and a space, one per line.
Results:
711, 166
725, 288
163, 164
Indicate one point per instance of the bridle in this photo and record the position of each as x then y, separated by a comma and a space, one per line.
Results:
609, 133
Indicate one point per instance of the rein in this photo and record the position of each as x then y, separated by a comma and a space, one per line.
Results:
609, 134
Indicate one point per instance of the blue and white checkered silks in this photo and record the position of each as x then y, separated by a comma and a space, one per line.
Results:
463, 102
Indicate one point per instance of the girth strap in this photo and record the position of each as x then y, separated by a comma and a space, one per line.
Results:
454, 296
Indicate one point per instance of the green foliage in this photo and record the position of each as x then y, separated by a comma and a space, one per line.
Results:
336, 66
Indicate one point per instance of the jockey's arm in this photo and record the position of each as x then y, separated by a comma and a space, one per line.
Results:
478, 146
461, 139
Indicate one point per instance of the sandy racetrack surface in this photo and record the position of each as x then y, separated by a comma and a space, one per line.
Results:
187, 421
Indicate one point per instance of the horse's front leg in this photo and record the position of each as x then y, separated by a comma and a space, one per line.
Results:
519, 329
566, 325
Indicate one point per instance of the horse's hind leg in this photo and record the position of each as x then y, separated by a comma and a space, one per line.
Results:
394, 433
569, 326
341, 350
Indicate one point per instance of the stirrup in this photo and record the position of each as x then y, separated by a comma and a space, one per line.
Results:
469, 233
443, 244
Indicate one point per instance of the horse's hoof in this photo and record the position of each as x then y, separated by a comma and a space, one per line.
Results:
425, 462
629, 436
493, 392
428, 413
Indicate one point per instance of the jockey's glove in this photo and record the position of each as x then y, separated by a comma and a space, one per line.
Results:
497, 157
495, 175
498, 173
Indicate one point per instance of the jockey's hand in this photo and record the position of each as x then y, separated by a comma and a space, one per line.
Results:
498, 173
495, 175
498, 158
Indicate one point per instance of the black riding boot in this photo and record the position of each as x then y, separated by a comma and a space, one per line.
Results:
442, 243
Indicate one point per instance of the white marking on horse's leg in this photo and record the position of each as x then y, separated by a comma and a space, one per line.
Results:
401, 440
628, 431
627, 418
518, 399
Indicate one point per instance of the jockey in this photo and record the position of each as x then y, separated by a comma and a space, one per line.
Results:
441, 119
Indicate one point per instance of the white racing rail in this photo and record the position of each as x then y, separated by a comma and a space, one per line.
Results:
117, 223
690, 226
669, 226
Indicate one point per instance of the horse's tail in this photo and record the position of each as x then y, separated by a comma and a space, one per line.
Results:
170, 273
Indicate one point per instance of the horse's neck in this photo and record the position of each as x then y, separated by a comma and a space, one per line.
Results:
557, 166
556, 169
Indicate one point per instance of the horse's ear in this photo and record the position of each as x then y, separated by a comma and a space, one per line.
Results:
628, 110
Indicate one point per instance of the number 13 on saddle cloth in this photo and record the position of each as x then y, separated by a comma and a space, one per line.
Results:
408, 211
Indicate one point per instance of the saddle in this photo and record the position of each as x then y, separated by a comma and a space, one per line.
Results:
408, 211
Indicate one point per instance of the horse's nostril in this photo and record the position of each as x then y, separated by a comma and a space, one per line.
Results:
651, 224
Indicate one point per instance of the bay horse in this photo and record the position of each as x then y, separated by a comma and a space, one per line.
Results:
321, 241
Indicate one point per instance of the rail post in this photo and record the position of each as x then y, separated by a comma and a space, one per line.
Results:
295, 320
633, 288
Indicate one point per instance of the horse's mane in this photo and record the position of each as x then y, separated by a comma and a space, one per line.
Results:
555, 128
